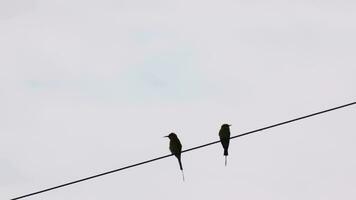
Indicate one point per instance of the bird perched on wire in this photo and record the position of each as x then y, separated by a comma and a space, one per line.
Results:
176, 149
224, 135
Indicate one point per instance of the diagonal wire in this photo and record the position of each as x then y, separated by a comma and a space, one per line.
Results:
186, 150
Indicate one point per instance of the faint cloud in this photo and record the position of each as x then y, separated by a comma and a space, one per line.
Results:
43, 84
166, 76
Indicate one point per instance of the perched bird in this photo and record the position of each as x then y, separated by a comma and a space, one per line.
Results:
224, 135
176, 149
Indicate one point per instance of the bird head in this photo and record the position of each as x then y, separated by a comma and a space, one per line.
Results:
225, 125
171, 136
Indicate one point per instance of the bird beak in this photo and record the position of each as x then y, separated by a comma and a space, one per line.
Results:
165, 136
229, 124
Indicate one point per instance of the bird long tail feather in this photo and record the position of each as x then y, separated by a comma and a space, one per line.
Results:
225, 160
183, 175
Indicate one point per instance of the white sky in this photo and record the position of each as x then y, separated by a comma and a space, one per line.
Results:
91, 86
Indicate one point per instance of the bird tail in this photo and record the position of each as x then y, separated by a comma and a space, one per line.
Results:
181, 167
226, 152
225, 160
180, 164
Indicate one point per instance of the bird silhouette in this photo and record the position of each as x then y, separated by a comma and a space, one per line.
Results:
224, 135
176, 149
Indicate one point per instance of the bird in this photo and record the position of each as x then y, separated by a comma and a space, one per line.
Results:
224, 135
176, 149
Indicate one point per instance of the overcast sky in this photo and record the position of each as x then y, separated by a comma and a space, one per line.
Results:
90, 86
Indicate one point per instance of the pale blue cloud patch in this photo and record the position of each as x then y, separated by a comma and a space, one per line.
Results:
145, 37
169, 76
169, 71
44, 84
164, 70
89, 89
